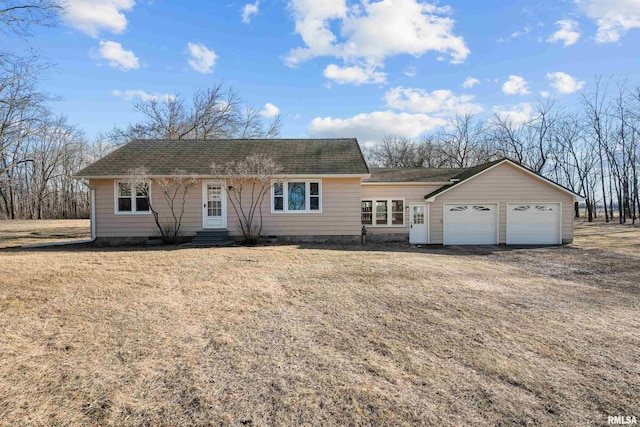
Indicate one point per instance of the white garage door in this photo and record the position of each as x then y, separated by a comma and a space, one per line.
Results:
533, 224
470, 224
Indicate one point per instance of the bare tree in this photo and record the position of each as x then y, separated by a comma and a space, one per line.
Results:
574, 162
252, 126
463, 141
174, 189
50, 147
18, 16
213, 113
429, 153
596, 117
22, 106
527, 143
395, 152
249, 182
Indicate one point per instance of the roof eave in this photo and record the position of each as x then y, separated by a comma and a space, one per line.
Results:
408, 183
200, 176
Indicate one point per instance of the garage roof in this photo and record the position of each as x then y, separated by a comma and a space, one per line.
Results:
412, 175
476, 170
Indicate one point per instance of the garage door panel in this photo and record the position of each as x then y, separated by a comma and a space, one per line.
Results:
533, 224
470, 224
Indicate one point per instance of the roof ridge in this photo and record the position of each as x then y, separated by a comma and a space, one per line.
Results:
239, 139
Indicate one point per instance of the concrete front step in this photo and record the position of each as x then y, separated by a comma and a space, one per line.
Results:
209, 244
210, 237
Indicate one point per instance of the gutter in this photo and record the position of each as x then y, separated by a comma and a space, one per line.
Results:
92, 192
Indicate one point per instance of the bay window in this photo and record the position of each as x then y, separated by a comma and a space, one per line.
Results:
296, 196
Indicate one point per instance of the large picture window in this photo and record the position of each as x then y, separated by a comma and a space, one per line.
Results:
383, 212
296, 196
132, 200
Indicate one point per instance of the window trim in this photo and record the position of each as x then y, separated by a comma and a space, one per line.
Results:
389, 201
307, 196
133, 211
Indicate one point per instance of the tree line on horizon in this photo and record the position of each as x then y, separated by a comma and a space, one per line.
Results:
593, 150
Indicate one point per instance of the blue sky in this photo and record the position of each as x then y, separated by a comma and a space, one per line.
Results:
338, 68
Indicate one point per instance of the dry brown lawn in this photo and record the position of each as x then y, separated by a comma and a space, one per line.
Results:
613, 236
320, 335
25, 232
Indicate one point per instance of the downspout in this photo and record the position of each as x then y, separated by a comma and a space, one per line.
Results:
92, 193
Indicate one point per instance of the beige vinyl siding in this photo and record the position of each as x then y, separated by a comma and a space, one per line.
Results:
110, 224
410, 194
503, 184
340, 213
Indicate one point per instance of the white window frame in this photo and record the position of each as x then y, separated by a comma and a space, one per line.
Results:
133, 210
307, 195
389, 200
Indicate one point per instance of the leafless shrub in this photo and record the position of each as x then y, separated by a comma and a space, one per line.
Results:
249, 182
174, 191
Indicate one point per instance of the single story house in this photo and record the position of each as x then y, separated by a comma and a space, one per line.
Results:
326, 191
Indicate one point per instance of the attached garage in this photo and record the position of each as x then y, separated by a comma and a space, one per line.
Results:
500, 202
534, 224
496, 203
471, 224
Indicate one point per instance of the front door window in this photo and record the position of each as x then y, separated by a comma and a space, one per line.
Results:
214, 200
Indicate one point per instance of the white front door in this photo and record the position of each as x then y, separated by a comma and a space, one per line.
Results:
214, 205
418, 223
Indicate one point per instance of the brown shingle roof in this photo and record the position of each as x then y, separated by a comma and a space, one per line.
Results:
473, 171
413, 175
295, 156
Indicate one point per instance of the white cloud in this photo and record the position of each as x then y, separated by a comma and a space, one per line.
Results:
371, 127
569, 33
356, 74
201, 58
564, 83
516, 114
470, 82
613, 17
249, 10
369, 32
94, 16
144, 96
411, 71
441, 102
117, 56
270, 110
544, 94
526, 30
516, 85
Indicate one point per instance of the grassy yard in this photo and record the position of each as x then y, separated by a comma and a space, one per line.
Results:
320, 335
25, 232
